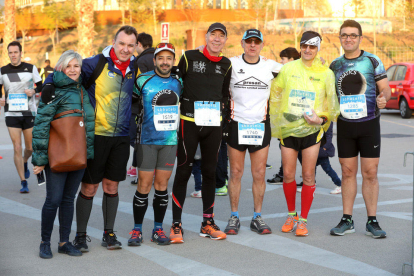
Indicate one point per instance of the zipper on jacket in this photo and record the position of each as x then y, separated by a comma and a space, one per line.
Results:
119, 101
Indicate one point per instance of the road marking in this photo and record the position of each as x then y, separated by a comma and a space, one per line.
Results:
274, 244
399, 215
396, 123
402, 188
6, 147
174, 263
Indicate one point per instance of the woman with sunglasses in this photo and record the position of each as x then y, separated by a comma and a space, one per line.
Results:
303, 103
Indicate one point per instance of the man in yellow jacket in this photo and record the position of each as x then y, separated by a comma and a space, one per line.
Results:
303, 104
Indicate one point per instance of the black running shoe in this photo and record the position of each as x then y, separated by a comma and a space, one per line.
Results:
268, 166
80, 242
233, 226
110, 242
277, 179
258, 225
134, 182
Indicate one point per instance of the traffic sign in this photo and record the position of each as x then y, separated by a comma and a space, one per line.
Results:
165, 32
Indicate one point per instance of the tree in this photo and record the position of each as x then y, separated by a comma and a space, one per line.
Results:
318, 8
86, 25
358, 5
296, 31
24, 20
400, 8
191, 9
9, 28
374, 7
56, 15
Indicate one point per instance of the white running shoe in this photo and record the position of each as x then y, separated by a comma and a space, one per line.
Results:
196, 194
336, 191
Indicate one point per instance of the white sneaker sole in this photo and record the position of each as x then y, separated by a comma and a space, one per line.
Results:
345, 232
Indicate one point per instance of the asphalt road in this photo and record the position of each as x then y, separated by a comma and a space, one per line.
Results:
245, 254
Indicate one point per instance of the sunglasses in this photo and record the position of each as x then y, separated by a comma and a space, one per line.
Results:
352, 36
165, 45
312, 47
250, 41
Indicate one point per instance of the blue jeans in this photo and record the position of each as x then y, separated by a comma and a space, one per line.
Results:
197, 174
61, 189
326, 166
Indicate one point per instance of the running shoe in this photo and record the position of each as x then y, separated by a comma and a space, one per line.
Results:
290, 223
345, 226
336, 191
134, 182
258, 225
373, 229
44, 250
136, 237
233, 226
110, 242
277, 180
132, 171
210, 230
69, 249
80, 242
268, 166
176, 233
221, 191
301, 229
196, 194
25, 188
159, 237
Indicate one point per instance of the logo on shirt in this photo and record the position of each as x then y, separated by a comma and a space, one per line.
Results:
352, 82
251, 82
313, 79
218, 69
25, 69
351, 64
241, 71
293, 76
199, 66
165, 97
111, 74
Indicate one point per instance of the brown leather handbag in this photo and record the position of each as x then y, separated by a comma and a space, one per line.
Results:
67, 142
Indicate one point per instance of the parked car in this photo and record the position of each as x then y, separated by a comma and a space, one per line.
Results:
401, 80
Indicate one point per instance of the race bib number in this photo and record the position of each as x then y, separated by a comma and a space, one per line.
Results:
207, 113
18, 102
301, 102
353, 106
251, 134
166, 117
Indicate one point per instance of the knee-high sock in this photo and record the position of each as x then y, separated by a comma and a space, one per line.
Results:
83, 212
109, 209
290, 194
140, 205
308, 193
160, 204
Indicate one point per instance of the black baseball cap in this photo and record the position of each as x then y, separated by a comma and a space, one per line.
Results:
217, 26
252, 33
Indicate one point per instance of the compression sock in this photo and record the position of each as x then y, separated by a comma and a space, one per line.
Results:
139, 206
236, 214
308, 193
290, 194
159, 204
109, 209
83, 212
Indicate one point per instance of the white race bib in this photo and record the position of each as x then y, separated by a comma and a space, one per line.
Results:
301, 102
353, 106
207, 113
165, 117
251, 134
18, 102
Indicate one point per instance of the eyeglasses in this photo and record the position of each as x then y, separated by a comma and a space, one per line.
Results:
305, 46
165, 45
250, 41
352, 36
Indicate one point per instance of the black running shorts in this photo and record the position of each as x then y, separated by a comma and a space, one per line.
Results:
233, 137
110, 161
23, 122
359, 137
301, 143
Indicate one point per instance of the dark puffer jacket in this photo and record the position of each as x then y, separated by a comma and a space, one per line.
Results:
68, 97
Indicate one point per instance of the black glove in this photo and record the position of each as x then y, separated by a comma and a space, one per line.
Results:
48, 93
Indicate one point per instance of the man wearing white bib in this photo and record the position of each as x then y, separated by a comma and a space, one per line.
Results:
362, 88
249, 126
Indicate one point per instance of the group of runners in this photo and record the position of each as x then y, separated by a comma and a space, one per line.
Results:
245, 100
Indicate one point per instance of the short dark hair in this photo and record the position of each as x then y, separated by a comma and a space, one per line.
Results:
129, 30
47, 61
289, 53
15, 43
145, 40
351, 23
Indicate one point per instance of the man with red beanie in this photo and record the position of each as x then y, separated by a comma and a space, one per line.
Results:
206, 75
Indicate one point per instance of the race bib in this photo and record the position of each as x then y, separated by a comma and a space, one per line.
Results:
207, 113
251, 134
353, 106
18, 102
301, 102
165, 117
